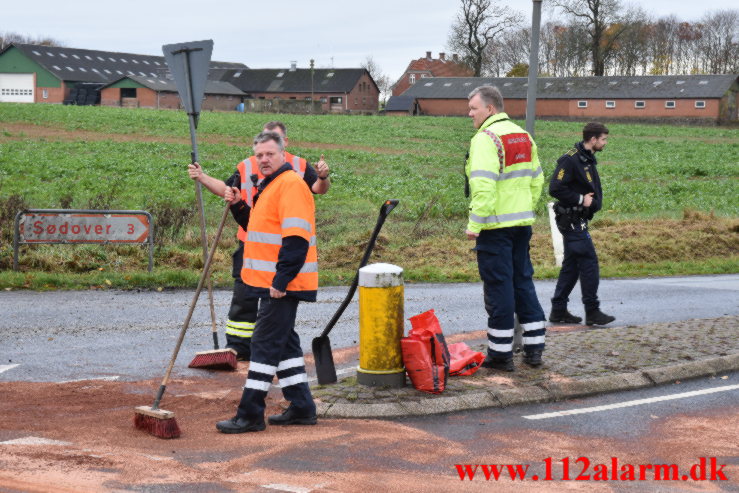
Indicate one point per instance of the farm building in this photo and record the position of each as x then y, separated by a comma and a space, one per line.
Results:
44, 74
426, 67
690, 98
345, 90
154, 92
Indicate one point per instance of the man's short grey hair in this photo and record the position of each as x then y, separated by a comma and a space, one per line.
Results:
266, 136
489, 95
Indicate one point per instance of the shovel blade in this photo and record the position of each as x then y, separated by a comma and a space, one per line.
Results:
324, 360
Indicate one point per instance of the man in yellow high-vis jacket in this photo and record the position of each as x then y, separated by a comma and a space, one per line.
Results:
505, 182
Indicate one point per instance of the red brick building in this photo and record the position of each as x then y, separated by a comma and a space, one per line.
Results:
148, 92
426, 67
690, 98
340, 90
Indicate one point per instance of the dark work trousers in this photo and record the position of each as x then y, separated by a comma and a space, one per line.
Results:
580, 261
275, 350
243, 311
507, 276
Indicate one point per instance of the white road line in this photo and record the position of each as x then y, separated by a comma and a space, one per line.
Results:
107, 379
4, 368
637, 402
315, 379
34, 441
338, 372
286, 487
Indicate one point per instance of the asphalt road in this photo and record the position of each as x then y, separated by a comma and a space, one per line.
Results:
127, 335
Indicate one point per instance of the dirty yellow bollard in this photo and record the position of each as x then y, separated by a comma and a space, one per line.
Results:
381, 298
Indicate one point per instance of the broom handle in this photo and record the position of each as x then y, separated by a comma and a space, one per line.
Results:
206, 271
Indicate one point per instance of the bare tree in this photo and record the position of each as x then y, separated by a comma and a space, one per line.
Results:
8, 38
720, 41
630, 52
478, 23
601, 19
383, 81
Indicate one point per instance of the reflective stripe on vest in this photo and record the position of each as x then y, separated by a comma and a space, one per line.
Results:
506, 176
501, 218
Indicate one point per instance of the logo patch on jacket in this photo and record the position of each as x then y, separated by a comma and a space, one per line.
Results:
561, 174
517, 148
590, 178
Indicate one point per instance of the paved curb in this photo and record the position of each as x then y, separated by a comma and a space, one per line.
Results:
531, 394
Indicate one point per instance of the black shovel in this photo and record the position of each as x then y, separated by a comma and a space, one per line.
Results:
324, 360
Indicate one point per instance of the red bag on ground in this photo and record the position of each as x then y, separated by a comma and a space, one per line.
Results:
425, 355
464, 361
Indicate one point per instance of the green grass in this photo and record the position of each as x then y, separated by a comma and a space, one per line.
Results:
101, 157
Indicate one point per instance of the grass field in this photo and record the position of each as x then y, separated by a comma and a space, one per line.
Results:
671, 201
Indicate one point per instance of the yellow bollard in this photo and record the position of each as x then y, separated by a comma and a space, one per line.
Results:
381, 298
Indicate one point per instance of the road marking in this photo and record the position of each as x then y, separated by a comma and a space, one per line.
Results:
315, 379
637, 402
4, 368
107, 379
338, 372
287, 487
34, 441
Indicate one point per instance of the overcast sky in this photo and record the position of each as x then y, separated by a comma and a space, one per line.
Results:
336, 33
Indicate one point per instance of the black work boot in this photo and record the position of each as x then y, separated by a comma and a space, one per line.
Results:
563, 317
498, 364
532, 358
240, 425
292, 416
597, 317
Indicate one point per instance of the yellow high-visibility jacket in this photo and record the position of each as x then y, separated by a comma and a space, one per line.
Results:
504, 175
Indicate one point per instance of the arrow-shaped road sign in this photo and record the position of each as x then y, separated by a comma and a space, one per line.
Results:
189, 64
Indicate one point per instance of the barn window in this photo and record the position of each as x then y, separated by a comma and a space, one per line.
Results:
45, 93
412, 78
128, 92
582, 104
670, 104
640, 104
700, 104
610, 104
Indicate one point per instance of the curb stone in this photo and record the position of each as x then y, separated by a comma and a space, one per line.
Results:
532, 394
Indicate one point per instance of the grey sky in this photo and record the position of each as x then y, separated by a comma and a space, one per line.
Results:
265, 35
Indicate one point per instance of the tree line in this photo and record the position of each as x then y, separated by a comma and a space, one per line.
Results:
594, 37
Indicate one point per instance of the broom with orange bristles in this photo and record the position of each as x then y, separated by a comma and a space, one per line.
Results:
153, 420
215, 359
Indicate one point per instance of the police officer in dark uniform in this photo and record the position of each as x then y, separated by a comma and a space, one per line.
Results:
576, 185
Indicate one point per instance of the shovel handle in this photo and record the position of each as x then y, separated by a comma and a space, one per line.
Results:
386, 208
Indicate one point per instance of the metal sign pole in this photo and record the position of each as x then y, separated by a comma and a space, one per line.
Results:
533, 68
191, 78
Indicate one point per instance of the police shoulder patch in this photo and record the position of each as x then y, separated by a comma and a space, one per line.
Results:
572, 151
561, 174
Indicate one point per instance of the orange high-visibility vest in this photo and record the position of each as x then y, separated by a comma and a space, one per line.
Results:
285, 208
249, 188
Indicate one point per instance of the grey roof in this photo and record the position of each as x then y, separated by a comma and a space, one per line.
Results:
73, 64
168, 85
400, 103
619, 87
298, 80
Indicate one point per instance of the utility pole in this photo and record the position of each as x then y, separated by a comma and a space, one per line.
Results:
533, 68
312, 104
